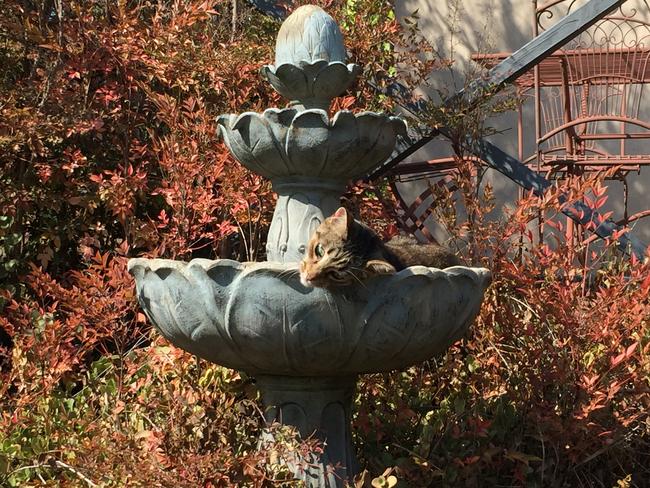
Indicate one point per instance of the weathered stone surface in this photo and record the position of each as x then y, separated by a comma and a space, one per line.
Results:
288, 142
311, 85
320, 407
258, 318
303, 203
309, 34
310, 57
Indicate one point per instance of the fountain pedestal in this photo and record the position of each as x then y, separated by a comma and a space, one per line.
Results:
318, 407
306, 346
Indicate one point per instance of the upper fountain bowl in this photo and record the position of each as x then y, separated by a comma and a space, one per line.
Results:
311, 84
258, 318
290, 142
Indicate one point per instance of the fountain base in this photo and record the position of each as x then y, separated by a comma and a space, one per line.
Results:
317, 407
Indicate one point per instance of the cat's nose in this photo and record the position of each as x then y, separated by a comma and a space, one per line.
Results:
305, 280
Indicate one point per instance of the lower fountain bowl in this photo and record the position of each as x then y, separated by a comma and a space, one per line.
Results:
258, 318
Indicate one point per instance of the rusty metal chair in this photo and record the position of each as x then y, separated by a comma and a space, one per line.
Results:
589, 99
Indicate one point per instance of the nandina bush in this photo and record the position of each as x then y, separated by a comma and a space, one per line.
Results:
551, 386
108, 150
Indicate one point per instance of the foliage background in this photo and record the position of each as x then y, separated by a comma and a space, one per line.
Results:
108, 149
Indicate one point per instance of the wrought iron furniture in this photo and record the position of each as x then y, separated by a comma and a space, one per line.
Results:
588, 98
589, 105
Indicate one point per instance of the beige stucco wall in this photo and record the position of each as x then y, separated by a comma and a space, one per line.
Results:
461, 28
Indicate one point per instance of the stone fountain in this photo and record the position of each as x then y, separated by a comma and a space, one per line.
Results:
306, 346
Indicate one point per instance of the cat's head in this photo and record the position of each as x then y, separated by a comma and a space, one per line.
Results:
328, 260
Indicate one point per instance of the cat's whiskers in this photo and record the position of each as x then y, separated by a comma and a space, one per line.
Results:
288, 272
333, 309
342, 251
356, 277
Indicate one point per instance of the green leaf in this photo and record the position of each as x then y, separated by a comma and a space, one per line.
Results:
459, 405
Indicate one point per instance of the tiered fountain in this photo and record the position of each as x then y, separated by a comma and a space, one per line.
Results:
306, 346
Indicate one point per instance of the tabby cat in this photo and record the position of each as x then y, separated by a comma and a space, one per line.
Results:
343, 251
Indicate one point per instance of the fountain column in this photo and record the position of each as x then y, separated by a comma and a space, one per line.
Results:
303, 203
319, 407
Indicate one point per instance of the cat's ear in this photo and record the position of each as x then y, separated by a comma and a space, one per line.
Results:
377, 266
342, 220
342, 213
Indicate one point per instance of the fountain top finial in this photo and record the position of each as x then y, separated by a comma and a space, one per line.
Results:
309, 34
310, 58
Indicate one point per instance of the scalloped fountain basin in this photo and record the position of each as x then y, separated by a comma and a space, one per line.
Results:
311, 82
289, 142
258, 318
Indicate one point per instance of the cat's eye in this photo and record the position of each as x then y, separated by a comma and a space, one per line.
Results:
318, 250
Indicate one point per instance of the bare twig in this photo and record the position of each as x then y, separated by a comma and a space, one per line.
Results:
75, 471
55, 463
233, 22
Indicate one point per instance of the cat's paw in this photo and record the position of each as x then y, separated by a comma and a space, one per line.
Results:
377, 267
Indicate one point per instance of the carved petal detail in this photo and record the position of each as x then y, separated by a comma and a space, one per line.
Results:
309, 34
320, 80
288, 142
